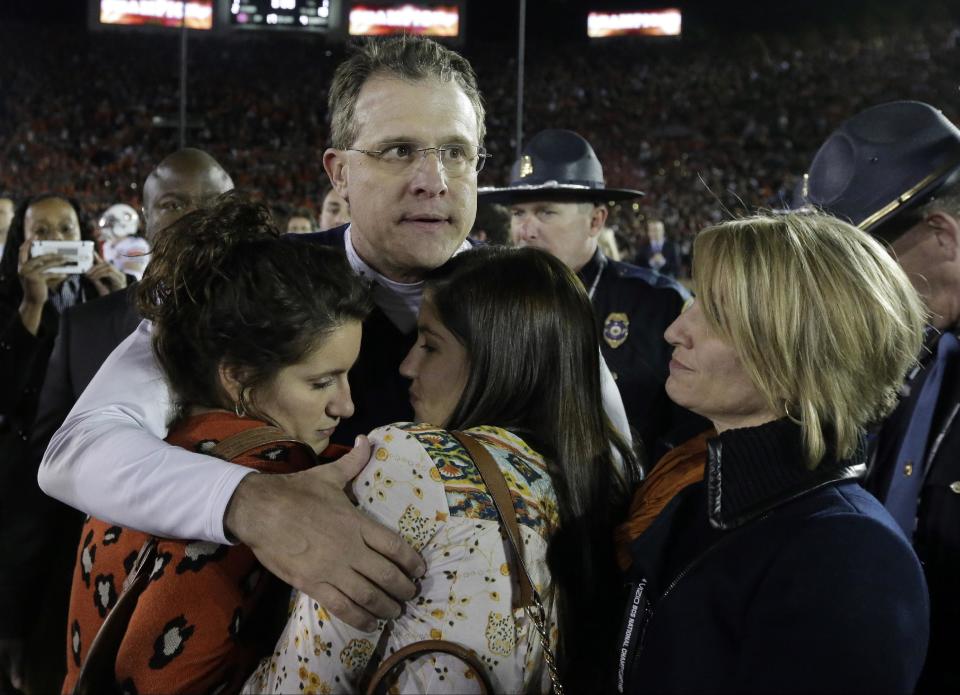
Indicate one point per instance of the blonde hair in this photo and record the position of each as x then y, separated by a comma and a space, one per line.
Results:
824, 321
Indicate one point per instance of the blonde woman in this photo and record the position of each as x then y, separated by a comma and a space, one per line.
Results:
778, 572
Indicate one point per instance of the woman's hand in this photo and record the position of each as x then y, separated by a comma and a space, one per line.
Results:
35, 283
105, 277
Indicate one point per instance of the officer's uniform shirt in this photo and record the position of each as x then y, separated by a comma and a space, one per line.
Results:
633, 307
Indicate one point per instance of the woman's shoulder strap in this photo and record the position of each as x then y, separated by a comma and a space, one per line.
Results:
242, 442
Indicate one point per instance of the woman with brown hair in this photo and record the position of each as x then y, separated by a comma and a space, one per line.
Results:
250, 330
507, 352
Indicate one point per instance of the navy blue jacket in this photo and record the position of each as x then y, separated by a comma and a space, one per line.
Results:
768, 577
937, 536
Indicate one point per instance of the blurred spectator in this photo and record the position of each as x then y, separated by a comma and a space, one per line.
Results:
6, 216
657, 252
334, 210
492, 225
607, 241
300, 221
38, 533
31, 301
120, 244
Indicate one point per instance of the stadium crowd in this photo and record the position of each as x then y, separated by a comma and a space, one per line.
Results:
706, 127
375, 453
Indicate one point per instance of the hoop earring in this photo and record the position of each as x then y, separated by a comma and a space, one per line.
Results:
240, 408
791, 418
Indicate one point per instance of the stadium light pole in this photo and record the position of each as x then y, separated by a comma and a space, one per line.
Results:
183, 76
521, 47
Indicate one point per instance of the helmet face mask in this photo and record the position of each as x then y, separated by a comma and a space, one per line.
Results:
118, 221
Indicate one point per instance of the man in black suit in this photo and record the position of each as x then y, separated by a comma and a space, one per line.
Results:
657, 252
40, 547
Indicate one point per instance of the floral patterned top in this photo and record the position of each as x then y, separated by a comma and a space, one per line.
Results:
421, 482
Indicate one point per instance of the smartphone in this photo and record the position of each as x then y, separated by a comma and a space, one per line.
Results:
78, 255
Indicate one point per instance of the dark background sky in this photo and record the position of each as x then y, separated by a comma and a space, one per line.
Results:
566, 19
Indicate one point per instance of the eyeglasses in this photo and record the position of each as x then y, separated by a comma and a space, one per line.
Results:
456, 160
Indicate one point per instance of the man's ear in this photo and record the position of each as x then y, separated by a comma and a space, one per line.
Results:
335, 164
598, 218
946, 229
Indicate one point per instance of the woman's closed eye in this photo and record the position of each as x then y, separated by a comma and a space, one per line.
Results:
322, 384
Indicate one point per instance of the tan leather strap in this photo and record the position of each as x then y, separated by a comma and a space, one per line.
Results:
496, 485
242, 442
425, 647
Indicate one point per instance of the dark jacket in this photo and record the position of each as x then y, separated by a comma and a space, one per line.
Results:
937, 536
768, 577
380, 394
633, 307
38, 535
669, 252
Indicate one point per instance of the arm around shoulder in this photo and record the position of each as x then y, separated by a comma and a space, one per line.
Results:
108, 458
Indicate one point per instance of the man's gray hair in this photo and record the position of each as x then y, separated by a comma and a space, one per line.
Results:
406, 57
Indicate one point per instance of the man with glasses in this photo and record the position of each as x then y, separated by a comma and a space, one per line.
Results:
407, 133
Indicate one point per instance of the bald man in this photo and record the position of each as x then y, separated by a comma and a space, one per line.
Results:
35, 582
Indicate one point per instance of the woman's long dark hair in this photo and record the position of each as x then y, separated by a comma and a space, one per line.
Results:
11, 292
533, 346
223, 287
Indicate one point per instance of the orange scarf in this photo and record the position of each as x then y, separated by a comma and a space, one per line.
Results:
679, 467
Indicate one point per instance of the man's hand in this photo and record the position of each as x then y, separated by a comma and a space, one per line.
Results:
303, 528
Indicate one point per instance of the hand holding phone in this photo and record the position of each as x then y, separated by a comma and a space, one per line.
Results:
77, 255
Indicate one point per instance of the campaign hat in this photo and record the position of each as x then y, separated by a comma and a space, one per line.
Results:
556, 165
881, 165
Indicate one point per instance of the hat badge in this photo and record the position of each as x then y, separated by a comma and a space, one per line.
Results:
526, 166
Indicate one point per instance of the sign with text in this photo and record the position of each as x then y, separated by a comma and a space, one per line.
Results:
665, 22
427, 20
159, 13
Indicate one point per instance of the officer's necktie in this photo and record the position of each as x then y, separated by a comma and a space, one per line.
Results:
904, 493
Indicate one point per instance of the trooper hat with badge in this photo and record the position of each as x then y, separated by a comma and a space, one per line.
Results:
556, 165
879, 170
879, 167
633, 305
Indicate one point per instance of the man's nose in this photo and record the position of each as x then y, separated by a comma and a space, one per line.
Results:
429, 176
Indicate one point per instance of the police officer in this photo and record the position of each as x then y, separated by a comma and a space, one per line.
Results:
893, 170
558, 203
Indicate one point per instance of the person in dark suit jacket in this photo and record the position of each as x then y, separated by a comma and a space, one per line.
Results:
657, 252
39, 534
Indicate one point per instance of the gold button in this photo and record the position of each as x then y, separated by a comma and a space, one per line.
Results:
955, 486
908, 469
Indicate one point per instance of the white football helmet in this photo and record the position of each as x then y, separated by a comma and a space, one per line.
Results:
119, 221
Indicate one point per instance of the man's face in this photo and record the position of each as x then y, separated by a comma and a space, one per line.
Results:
334, 211
566, 230
299, 225
927, 254
655, 231
6, 216
411, 221
172, 191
